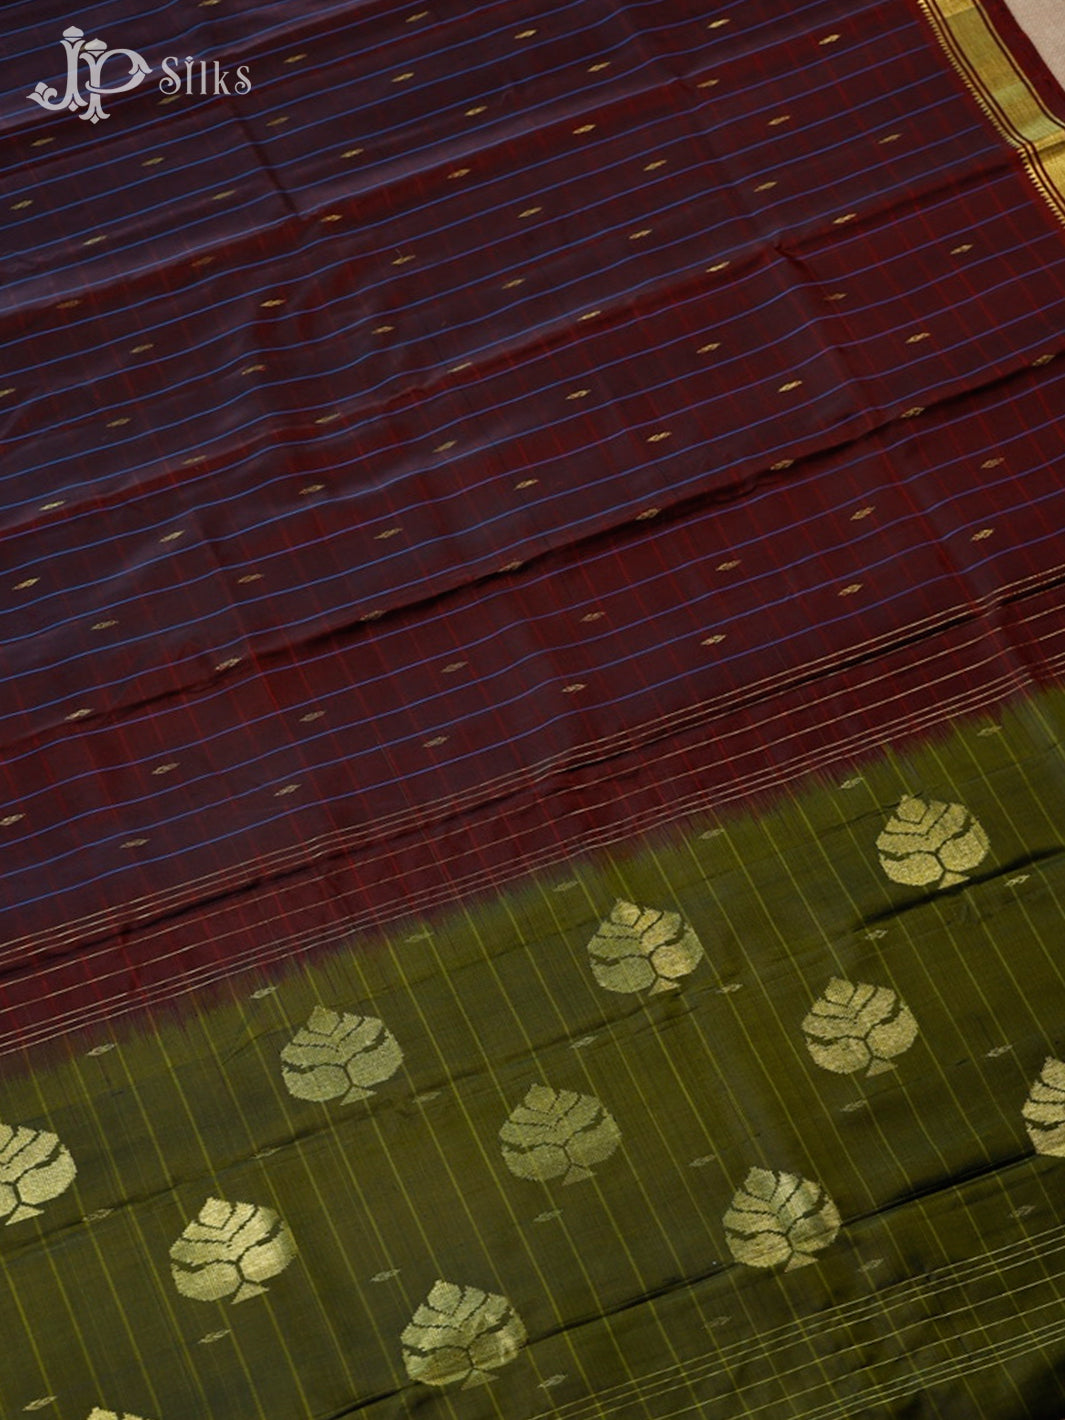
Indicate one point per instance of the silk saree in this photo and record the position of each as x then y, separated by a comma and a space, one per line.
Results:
532, 718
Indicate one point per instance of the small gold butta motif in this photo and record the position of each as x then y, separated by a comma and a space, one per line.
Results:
557, 1134
854, 1026
1044, 1109
779, 1217
96, 1413
931, 844
643, 948
460, 1334
230, 1250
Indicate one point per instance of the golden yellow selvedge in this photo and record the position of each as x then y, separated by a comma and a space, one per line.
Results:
995, 79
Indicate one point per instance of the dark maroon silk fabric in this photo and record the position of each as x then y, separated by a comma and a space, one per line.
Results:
504, 430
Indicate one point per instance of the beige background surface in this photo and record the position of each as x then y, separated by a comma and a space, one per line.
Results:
1044, 22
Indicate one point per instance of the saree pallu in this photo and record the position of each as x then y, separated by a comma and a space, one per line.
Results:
532, 782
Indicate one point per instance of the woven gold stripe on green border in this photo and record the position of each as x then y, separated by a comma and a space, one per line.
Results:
993, 76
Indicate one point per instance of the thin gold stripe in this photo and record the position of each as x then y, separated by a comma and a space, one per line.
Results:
1004, 92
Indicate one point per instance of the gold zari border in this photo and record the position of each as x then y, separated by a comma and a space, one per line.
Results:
1004, 92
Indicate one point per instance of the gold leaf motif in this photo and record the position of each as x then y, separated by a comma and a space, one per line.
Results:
230, 1250
1044, 1109
853, 1026
637, 948
97, 1414
460, 1334
336, 1055
779, 1217
557, 1134
34, 1168
933, 844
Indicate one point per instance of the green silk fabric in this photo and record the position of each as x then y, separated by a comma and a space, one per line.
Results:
591, 1268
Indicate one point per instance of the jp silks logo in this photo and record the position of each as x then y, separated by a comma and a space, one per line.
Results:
86, 60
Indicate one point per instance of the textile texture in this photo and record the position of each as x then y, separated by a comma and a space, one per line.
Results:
531, 771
